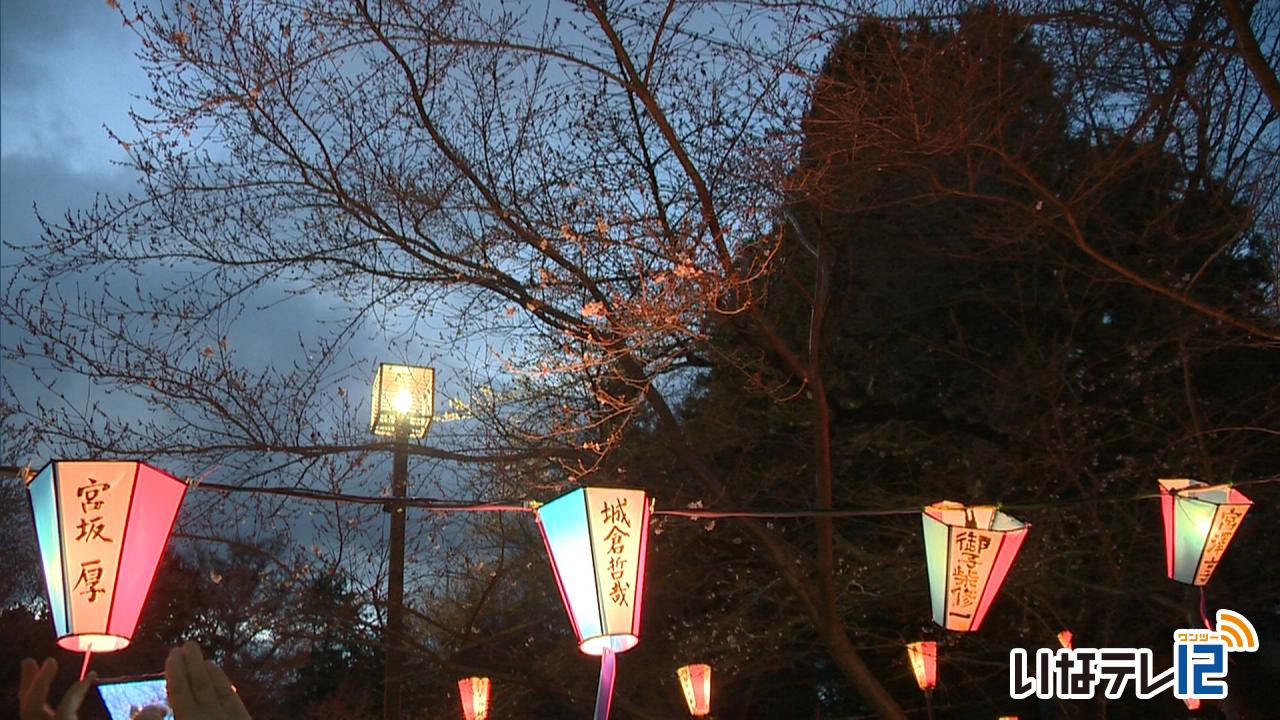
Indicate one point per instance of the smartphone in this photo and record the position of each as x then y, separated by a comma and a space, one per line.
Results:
126, 696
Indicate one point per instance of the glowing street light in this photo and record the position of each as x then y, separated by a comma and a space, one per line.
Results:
402, 406
403, 395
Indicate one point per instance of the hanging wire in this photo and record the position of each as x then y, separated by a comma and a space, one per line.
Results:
451, 506
448, 506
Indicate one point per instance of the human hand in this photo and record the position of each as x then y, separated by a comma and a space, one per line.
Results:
198, 689
33, 692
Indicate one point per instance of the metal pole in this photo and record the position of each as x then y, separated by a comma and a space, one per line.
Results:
395, 576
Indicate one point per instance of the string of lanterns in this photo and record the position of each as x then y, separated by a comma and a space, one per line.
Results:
102, 526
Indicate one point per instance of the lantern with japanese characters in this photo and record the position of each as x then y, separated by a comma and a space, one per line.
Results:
924, 663
695, 681
474, 692
101, 526
969, 552
1199, 522
597, 539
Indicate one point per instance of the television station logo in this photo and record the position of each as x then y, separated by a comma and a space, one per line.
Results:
1199, 666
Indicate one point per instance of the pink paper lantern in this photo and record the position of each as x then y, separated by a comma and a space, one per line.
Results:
102, 526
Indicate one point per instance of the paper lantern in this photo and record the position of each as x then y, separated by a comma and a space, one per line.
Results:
924, 663
1193, 704
102, 526
1065, 639
474, 692
969, 552
1199, 522
695, 680
402, 394
597, 539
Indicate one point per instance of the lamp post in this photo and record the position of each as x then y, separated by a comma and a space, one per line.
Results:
403, 401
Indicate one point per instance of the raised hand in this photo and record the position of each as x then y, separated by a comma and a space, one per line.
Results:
198, 689
33, 692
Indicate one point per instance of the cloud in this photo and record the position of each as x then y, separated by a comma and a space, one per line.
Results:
67, 70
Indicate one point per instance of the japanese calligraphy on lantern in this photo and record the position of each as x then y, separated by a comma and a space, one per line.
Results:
596, 538
1224, 527
615, 539
1199, 522
101, 526
969, 551
972, 552
95, 508
614, 516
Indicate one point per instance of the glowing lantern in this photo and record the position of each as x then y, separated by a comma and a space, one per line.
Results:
102, 527
1193, 704
695, 680
969, 552
597, 538
474, 692
924, 663
1199, 522
1065, 640
403, 396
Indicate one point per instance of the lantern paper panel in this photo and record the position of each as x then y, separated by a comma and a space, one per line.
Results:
969, 551
597, 539
1199, 522
924, 663
402, 392
474, 692
101, 527
695, 681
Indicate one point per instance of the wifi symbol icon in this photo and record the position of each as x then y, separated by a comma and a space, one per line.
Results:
1236, 632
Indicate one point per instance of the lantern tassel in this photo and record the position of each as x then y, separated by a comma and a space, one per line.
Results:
604, 695
1204, 614
84, 668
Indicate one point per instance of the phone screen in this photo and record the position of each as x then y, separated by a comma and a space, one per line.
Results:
124, 698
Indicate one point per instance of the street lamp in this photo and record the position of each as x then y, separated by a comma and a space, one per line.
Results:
403, 402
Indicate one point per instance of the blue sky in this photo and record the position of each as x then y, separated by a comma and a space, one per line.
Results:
67, 72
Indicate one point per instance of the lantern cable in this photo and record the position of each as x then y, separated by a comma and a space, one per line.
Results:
451, 506
693, 513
